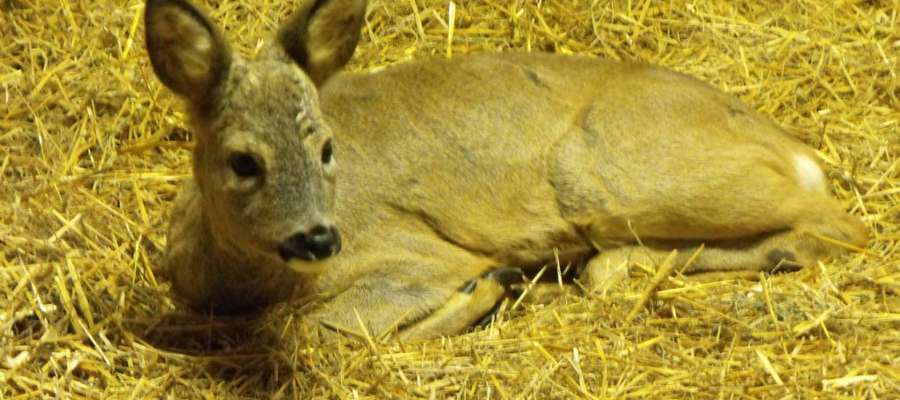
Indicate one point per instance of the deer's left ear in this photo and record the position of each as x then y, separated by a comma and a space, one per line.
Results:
322, 35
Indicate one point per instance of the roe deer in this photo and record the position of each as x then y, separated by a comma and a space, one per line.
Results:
453, 168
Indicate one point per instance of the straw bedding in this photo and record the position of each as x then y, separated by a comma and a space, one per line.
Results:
92, 150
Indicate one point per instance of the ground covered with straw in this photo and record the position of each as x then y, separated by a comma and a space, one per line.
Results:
92, 151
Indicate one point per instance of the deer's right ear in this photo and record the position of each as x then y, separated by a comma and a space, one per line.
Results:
187, 53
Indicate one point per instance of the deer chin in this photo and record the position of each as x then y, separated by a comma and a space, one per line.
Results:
308, 267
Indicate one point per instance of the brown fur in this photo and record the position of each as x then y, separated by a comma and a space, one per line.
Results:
451, 168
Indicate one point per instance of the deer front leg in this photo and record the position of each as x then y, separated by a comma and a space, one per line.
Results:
469, 305
420, 298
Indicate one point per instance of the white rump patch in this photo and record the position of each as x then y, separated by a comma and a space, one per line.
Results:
809, 175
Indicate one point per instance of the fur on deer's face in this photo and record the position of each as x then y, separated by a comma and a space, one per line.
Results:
263, 162
264, 159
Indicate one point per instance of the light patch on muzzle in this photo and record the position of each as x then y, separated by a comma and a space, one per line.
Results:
308, 267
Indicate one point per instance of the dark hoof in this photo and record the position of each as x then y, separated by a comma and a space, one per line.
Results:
506, 276
782, 261
489, 317
469, 286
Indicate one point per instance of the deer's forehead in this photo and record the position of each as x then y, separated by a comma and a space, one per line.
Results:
273, 96
271, 86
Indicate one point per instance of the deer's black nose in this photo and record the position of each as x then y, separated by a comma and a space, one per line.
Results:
318, 243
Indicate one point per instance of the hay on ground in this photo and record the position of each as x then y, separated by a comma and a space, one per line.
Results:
92, 151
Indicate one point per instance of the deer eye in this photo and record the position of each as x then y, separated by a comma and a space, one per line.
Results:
244, 165
327, 152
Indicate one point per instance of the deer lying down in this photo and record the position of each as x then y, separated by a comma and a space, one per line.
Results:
454, 169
